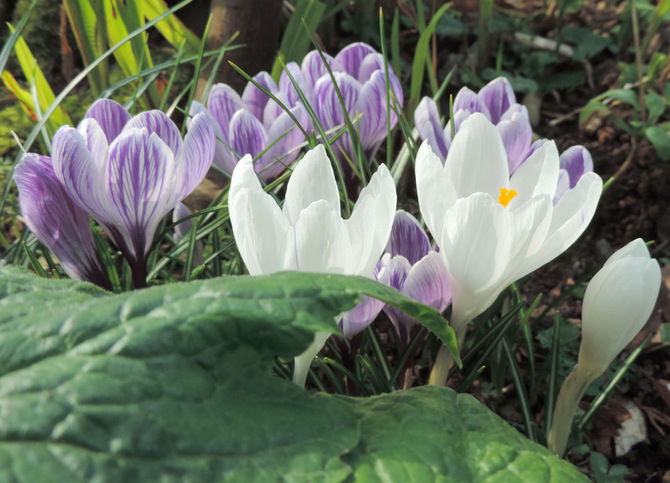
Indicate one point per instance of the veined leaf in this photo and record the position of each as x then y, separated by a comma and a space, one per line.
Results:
174, 380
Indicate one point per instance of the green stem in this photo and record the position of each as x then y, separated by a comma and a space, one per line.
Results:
444, 361
569, 396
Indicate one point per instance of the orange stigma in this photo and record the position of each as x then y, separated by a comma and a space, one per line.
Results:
506, 196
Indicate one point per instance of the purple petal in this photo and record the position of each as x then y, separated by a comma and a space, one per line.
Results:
371, 63
254, 98
223, 103
466, 100
408, 238
576, 160
80, 173
358, 318
516, 134
313, 67
351, 57
498, 96
159, 123
56, 220
140, 171
111, 117
327, 104
535, 146
284, 151
195, 159
427, 122
223, 158
286, 85
372, 104
247, 135
428, 282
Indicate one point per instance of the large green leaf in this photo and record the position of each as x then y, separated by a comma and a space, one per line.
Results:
173, 383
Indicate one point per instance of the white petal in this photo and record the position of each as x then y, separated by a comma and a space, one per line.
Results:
536, 176
312, 180
260, 230
477, 160
475, 242
434, 188
321, 240
570, 217
371, 220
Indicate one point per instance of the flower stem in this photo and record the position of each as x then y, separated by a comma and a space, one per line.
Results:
304, 360
569, 396
444, 361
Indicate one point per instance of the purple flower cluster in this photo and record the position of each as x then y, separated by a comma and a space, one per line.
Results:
255, 124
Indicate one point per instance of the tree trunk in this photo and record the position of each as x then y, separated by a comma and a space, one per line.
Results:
258, 23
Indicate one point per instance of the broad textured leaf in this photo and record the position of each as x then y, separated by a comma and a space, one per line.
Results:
173, 383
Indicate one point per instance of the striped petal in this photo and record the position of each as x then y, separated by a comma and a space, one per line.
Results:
139, 176
223, 102
61, 225
427, 122
313, 68
157, 122
110, 116
194, 160
576, 160
79, 172
407, 238
351, 57
498, 96
255, 99
467, 100
284, 137
246, 133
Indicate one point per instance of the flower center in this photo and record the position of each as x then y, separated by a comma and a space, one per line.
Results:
506, 196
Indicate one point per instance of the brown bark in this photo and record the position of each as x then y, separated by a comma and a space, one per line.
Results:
258, 23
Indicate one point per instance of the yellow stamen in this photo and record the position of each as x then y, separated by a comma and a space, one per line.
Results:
506, 196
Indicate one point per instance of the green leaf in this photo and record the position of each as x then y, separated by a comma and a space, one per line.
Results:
295, 43
656, 106
175, 381
661, 141
587, 43
665, 333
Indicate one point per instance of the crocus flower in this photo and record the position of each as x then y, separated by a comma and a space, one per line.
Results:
617, 303
128, 171
493, 228
359, 72
308, 233
57, 221
411, 267
253, 124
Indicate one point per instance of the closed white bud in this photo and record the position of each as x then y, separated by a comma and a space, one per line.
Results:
618, 301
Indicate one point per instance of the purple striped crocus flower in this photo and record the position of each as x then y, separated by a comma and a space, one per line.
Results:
254, 124
128, 171
359, 72
57, 221
410, 266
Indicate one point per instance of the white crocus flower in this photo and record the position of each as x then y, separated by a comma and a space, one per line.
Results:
493, 229
617, 303
308, 233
